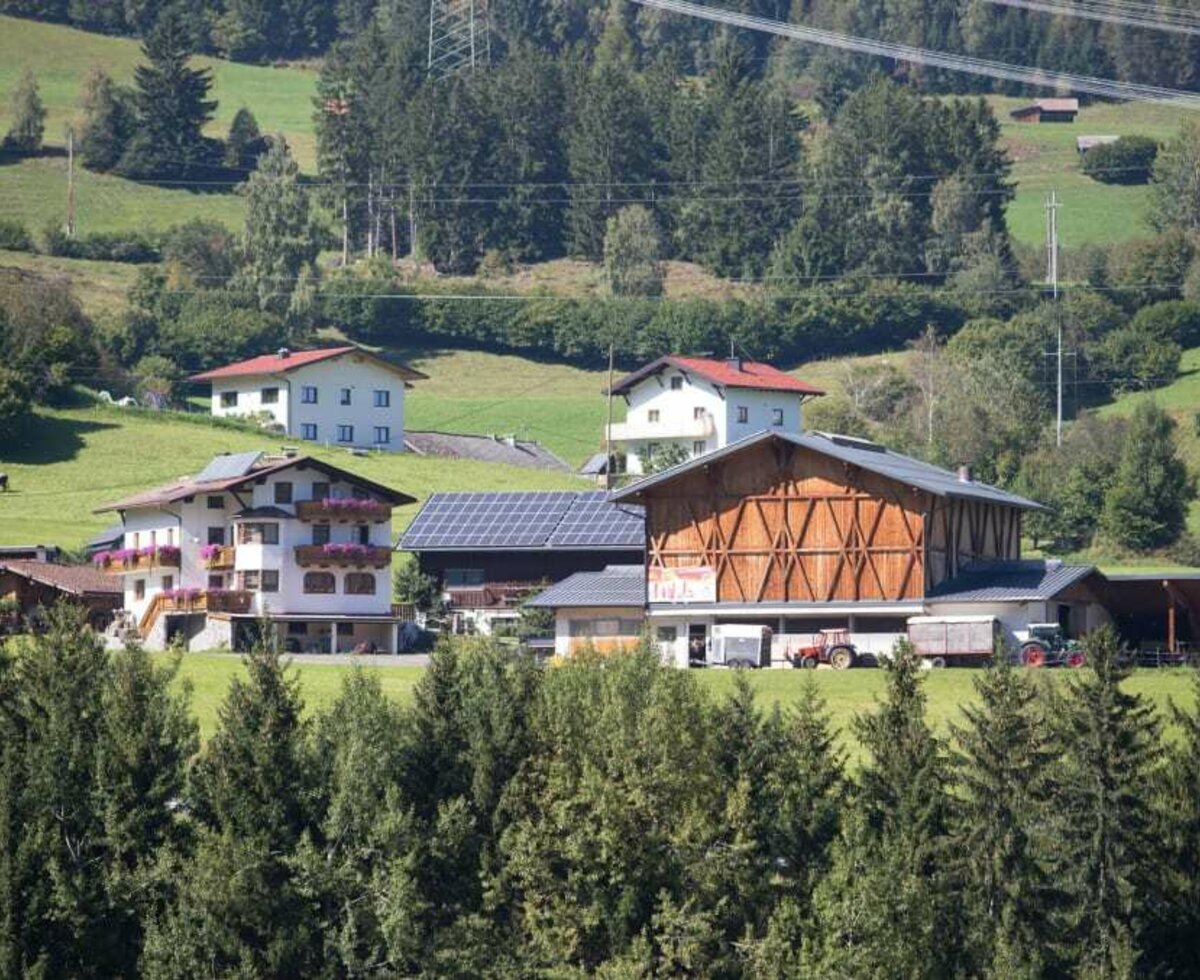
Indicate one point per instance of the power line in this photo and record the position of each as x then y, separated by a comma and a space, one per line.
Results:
937, 59
1109, 15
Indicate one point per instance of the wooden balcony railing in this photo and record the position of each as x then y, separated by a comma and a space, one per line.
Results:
344, 510
125, 560
343, 556
193, 601
220, 558
493, 595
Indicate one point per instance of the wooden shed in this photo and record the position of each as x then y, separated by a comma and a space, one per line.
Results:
42, 583
1047, 111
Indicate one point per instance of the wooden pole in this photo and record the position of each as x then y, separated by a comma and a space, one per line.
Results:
1171, 623
70, 182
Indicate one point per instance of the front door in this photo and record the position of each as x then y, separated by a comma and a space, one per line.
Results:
697, 642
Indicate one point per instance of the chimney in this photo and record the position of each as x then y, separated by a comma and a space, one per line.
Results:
964, 474
510, 441
283, 353
734, 362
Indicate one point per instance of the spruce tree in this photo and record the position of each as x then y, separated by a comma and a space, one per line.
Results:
28, 115
245, 144
884, 910
172, 106
1146, 506
1109, 741
1003, 757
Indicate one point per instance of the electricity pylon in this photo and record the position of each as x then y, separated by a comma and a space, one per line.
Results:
458, 36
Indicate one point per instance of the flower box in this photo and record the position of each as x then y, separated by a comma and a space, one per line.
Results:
217, 556
353, 510
343, 556
121, 560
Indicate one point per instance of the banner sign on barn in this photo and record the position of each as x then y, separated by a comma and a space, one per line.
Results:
669, 585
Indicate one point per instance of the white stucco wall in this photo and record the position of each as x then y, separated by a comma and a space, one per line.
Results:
361, 375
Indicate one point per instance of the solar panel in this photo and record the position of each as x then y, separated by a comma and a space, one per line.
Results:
228, 467
550, 519
595, 522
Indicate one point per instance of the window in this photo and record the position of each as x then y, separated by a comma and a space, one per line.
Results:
319, 583
699, 447
229, 399
308, 431
139, 589
363, 533
653, 415
283, 492
345, 433
605, 627
168, 583
383, 398
698, 412
777, 416
308, 395
344, 396
320, 534
269, 396
667, 634
216, 503
743, 414
383, 435
464, 578
216, 535
259, 534
216, 581
270, 580
360, 583
320, 490
297, 629
677, 383
249, 581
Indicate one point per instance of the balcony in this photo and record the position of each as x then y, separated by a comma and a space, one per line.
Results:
122, 561
343, 556
493, 595
641, 430
344, 510
206, 601
217, 557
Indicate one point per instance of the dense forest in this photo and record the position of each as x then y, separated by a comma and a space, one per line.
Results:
606, 818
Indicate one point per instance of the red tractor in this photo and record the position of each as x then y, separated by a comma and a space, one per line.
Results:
832, 647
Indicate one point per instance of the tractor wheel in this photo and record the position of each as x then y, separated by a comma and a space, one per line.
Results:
1075, 659
841, 658
1033, 655
808, 662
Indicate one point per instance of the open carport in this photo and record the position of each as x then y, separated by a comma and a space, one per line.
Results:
1155, 611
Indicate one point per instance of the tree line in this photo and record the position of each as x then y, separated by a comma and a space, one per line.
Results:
608, 818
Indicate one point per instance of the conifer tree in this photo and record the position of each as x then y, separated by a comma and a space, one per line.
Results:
1109, 741
1004, 752
245, 143
883, 910
28, 116
172, 106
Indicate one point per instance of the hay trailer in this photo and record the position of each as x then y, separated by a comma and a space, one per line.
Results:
961, 640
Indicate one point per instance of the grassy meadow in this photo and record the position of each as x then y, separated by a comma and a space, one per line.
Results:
846, 693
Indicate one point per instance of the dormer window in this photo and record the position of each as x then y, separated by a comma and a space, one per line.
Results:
677, 383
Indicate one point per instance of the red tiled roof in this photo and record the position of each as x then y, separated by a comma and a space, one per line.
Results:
745, 374
74, 579
272, 363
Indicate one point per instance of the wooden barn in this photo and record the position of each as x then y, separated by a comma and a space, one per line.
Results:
1047, 111
812, 531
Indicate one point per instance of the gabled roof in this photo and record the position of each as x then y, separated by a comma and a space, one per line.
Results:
283, 361
79, 580
562, 520
509, 451
1047, 105
1010, 581
192, 486
733, 373
617, 585
857, 452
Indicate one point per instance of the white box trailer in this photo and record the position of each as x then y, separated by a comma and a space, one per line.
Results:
736, 645
943, 640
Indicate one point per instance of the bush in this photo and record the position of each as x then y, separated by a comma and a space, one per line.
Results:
14, 236
1130, 160
127, 246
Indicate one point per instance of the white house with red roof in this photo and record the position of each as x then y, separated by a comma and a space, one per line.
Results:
701, 405
343, 396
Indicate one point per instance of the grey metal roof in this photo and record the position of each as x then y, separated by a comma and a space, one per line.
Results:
596, 465
526, 521
1014, 581
857, 452
106, 537
617, 585
486, 449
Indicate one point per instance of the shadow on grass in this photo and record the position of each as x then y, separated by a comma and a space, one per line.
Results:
45, 439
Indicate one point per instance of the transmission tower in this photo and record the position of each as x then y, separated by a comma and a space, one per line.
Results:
458, 36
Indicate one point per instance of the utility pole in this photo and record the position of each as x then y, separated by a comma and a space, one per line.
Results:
608, 454
70, 182
1052, 207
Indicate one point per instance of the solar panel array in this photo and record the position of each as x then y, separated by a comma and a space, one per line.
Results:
559, 519
228, 467
593, 522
